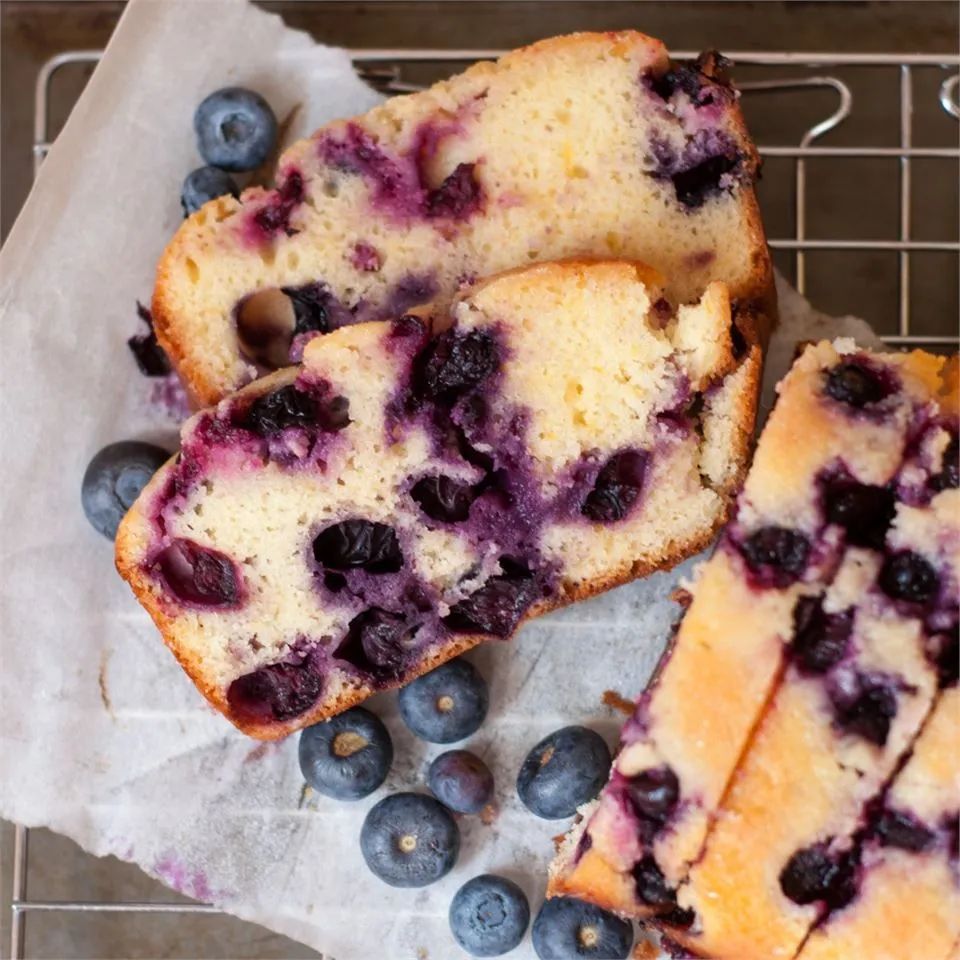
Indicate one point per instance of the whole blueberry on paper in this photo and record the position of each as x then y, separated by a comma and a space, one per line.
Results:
563, 771
235, 128
461, 781
489, 916
447, 704
409, 840
114, 479
348, 756
567, 928
203, 185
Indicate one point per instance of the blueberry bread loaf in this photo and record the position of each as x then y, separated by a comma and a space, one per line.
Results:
814, 647
908, 904
420, 485
592, 145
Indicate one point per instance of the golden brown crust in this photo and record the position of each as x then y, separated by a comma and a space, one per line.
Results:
642, 272
203, 391
596, 881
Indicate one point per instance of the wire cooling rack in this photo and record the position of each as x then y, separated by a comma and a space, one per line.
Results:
385, 68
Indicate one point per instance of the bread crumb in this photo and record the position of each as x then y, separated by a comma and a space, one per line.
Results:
682, 597
645, 950
613, 699
489, 814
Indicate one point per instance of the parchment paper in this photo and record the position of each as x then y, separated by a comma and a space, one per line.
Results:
101, 736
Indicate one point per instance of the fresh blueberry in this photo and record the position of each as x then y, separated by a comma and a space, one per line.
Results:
496, 607
379, 642
347, 757
566, 929
461, 781
563, 771
856, 384
447, 704
455, 363
907, 576
409, 840
280, 691
865, 512
617, 487
203, 185
489, 916
199, 575
235, 128
776, 555
819, 638
443, 498
114, 479
813, 874
358, 543
901, 830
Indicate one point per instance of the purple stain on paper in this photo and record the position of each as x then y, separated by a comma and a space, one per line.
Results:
170, 397
189, 881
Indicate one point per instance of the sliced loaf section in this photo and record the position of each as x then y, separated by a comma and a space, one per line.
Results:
587, 145
796, 631
908, 903
419, 486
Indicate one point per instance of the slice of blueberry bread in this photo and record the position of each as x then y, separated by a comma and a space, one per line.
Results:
421, 485
851, 490
591, 145
908, 900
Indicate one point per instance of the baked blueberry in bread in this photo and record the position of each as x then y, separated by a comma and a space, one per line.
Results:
908, 900
420, 485
591, 145
816, 642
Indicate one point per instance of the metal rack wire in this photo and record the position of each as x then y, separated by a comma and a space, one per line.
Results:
382, 67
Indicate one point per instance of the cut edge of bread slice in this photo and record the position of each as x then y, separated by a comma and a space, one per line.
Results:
735, 413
